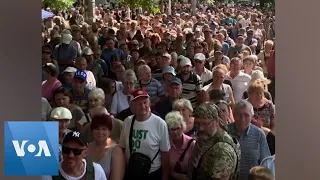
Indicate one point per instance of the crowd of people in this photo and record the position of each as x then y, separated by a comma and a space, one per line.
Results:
162, 97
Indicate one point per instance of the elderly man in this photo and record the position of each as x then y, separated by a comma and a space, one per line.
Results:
253, 142
174, 91
216, 154
145, 138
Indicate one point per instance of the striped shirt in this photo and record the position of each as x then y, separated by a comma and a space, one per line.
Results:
191, 87
154, 89
254, 148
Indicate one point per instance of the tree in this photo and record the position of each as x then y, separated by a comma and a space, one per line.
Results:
58, 4
151, 6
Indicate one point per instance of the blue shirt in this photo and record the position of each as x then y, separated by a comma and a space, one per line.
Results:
254, 148
108, 53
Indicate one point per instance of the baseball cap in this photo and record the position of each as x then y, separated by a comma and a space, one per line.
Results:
258, 75
138, 93
199, 56
66, 38
168, 69
61, 113
175, 80
184, 61
81, 75
87, 51
70, 70
75, 136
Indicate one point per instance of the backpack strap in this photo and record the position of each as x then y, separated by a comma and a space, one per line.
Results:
89, 171
130, 133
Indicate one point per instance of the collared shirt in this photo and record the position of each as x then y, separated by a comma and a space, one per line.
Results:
191, 87
205, 76
176, 153
254, 148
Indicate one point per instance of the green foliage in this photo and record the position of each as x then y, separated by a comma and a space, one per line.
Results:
58, 4
151, 6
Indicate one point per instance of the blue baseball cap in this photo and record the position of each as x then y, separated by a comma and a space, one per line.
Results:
168, 69
81, 75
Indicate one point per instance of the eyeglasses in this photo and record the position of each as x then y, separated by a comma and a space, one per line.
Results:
75, 151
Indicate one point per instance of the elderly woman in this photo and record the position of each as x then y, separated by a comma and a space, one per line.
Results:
96, 98
185, 108
264, 109
104, 151
120, 99
63, 98
218, 77
181, 146
253, 142
225, 111
51, 83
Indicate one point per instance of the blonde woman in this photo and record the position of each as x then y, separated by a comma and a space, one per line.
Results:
264, 110
185, 108
181, 146
96, 98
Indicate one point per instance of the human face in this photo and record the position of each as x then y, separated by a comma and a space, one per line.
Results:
81, 64
73, 153
167, 76
63, 125
257, 95
198, 49
110, 44
78, 84
129, 86
199, 64
165, 62
68, 76
140, 106
174, 90
100, 134
184, 111
89, 58
62, 100
224, 111
243, 119
96, 54
207, 128
146, 76
46, 54
176, 132
235, 66
218, 76
119, 73
248, 66
186, 69
94, 102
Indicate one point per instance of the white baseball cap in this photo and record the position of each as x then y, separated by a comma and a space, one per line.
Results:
199, 56
184, 61
69, 70
61, 113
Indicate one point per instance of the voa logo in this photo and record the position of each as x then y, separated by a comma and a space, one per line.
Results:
31, 148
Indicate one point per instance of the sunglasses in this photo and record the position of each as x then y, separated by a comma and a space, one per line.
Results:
75, 151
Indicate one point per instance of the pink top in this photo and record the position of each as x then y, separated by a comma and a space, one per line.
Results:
176, 153
47, 91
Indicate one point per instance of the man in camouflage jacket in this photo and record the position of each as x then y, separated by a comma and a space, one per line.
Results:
216, 154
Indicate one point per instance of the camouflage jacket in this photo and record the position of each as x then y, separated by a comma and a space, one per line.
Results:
216, 157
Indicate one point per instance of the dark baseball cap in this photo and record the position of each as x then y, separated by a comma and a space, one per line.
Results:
75, 136
176, 81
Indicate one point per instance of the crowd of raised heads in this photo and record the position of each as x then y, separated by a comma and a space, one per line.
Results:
162, 96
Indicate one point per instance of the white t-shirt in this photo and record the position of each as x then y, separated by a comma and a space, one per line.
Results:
205, 76
239, 84
148, 136
91, 80
98, 173
119, 102
226, 88
245, 22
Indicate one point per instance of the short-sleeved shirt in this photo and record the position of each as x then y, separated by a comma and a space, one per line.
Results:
148, 137
154, 89
81, 101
